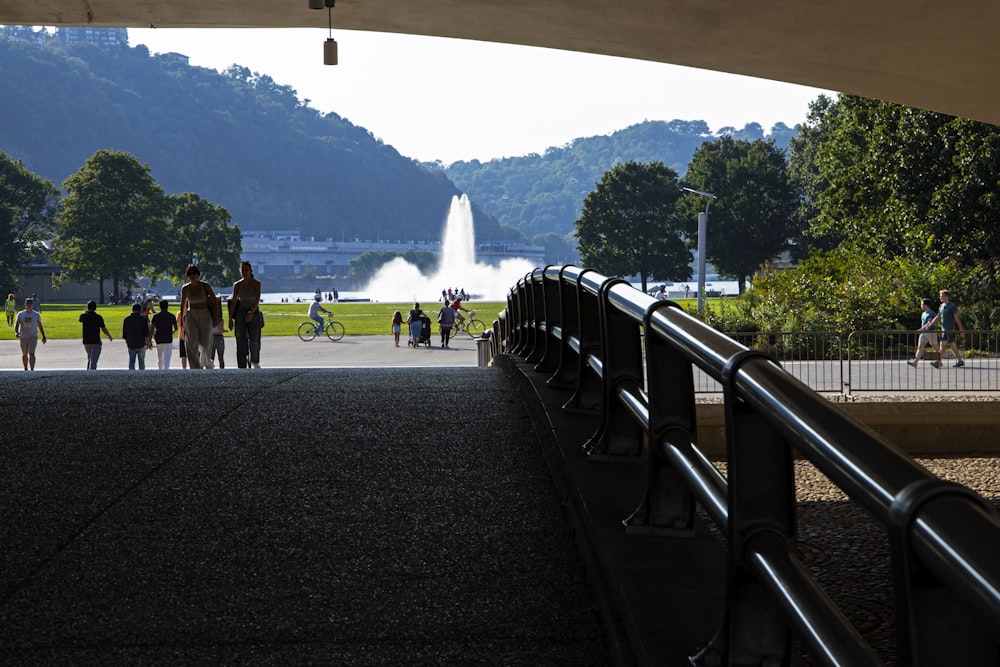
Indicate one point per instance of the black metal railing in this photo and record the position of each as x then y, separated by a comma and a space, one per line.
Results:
632, 359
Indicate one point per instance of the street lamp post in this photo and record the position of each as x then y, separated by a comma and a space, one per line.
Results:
702, 233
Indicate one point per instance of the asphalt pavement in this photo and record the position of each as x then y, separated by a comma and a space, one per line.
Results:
308, 515
275, 352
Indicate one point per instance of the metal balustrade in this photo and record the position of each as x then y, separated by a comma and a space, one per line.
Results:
632, 360
876, 361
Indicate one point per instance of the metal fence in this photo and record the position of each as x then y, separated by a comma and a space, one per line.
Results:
876, 361
631, 360
817, 359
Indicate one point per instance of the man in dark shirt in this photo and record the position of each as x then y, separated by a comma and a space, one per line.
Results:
135, 331
164, 326
93, 325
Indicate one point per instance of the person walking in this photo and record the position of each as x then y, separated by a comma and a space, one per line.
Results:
135, 331
219, 341
162, 330
27, 326
397, 326
199, 316
413, 321
11, 309
181, 345
927, 337
93, 325
951, 326
245, 319
446, 320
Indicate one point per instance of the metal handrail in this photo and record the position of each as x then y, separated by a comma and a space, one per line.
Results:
947, 529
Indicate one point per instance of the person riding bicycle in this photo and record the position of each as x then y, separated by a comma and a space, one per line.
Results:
456, 305
315, 308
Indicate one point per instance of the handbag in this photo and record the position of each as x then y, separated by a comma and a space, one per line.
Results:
233, 305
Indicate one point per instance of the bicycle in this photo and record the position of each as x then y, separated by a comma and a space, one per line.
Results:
471, 327
333, 330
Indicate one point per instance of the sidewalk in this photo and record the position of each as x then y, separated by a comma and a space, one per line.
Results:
298, 516
275, 352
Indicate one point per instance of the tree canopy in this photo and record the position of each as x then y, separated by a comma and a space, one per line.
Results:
900, 203
27, 208
199, 232
752, 220
115, 222
111, 222
903, 182
630, 225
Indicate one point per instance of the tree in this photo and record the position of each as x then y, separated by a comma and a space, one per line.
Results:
753, 218
558, 249
111, 221
199, 232
898, 182
804, 172
630, 225
27, 207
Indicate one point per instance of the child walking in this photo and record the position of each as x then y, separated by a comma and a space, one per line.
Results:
397, 325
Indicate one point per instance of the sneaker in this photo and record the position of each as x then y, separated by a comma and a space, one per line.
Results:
911, 362
936, 364
958, 364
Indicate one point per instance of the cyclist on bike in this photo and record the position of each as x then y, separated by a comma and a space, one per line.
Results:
315, 308
456, 305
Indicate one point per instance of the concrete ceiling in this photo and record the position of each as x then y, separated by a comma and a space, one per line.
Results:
915, 52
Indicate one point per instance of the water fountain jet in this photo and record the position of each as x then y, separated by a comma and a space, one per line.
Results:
398, 280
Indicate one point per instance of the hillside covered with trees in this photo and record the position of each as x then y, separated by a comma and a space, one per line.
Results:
237, 138
250, 144
540, 194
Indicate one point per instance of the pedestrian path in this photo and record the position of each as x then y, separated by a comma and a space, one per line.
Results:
276, 352
335, 516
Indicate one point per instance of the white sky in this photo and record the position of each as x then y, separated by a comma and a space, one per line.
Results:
446, 99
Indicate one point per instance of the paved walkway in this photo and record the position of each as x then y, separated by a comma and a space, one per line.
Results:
325, 516
417, 510
276, 352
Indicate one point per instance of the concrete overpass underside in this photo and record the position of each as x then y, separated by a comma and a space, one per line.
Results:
941, 57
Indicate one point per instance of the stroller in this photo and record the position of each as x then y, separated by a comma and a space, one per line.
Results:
425, 330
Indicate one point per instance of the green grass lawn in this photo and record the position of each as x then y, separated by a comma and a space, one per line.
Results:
280, 319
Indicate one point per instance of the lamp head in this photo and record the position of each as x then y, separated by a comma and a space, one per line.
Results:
330, 52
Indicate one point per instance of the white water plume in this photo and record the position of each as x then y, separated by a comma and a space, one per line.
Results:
458, 269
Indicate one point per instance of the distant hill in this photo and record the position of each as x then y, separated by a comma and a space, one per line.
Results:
245, 142
237, 139
545, 193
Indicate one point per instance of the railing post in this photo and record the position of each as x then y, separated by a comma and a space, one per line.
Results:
587, 397
761, 507
621, 352
932, 626
519, 325
552, 318
536, 313
668, 505
568, 369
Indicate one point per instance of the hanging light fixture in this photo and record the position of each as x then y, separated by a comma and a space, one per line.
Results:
330, 46
315, 4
